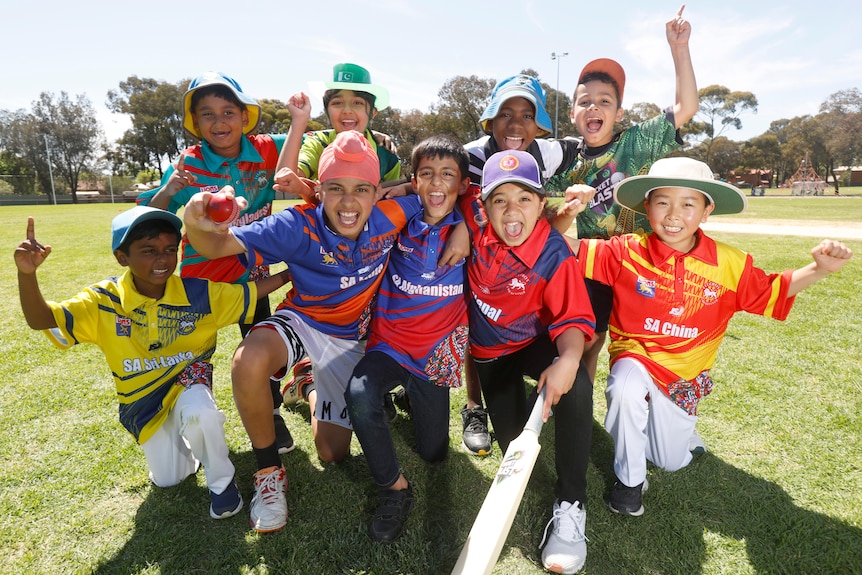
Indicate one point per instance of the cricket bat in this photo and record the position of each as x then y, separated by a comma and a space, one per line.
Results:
491, 528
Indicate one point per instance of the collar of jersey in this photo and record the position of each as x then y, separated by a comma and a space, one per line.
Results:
214, 162
131, 298
704, 249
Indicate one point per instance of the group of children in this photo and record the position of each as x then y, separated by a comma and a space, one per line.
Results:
469, 275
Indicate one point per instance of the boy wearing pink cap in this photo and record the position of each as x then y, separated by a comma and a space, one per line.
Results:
336, 253
605, 157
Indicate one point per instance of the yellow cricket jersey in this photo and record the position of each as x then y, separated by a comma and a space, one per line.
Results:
152, 346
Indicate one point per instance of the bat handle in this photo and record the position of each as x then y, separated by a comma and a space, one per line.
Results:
534, 423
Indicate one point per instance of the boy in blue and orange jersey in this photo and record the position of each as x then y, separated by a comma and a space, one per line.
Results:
158, 333
222, 117
336, 254
529, 317
418, 334
678, 291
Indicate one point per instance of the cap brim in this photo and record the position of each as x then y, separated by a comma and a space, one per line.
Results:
152, 214
511, 180
543, 120
381, 94
251, 105
631, 192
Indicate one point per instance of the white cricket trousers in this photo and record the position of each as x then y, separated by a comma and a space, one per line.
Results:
193, 431
644, 423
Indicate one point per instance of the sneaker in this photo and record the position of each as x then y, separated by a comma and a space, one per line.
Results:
389, 408
627, 500
227, 503
295, 388
696, 444
283, 439
566, 549
401, 400
391, 515
268, 511
475, 436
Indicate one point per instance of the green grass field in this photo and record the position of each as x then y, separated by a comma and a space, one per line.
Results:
778, 492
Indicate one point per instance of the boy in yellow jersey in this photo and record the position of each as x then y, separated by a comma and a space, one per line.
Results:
158, 333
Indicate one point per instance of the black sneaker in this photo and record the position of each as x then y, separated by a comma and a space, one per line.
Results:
476, 438
283, 439
392, 510
627, 500
401, 400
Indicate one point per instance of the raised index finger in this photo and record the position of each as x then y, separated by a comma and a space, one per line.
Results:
31, 229
181, 162
679, 12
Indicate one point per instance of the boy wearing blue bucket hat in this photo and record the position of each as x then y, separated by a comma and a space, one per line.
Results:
515, 119
218, 113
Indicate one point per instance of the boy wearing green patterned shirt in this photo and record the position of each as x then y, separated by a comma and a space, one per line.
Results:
606, 158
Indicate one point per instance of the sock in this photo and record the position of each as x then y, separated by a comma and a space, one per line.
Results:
267, 456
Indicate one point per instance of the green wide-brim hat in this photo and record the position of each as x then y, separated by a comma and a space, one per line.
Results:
355, 78
680, 173
210, 79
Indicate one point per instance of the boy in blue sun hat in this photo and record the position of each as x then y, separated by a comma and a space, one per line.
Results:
158, 334
515, 119
218, 113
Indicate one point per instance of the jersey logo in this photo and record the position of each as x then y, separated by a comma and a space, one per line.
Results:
677, 311
210, 189
518, 285
124, 327
186, 325
646, 287
710, 293
328, 259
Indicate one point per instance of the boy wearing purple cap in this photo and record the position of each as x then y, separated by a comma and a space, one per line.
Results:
336, 253
218, 113
529, 317
605, 157
158, 333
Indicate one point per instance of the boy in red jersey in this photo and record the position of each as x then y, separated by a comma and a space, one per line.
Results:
678, 290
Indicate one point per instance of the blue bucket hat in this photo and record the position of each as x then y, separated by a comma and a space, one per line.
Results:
122, 224
512, 166
211, 79
520, 86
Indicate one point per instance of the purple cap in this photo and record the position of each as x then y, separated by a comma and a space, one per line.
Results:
512, 166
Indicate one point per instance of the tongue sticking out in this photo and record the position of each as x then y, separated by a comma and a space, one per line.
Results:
513, 143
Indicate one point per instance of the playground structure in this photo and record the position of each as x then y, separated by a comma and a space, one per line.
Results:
806, 182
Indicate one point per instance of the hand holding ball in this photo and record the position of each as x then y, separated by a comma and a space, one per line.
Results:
222, 209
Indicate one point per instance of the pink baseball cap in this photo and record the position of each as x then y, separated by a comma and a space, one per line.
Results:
349, 156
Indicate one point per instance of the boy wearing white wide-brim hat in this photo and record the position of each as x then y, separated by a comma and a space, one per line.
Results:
675, 291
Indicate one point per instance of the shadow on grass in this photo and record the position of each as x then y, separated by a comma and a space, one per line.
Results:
330, 509
750, 524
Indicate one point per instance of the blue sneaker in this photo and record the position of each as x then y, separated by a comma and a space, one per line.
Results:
227, 503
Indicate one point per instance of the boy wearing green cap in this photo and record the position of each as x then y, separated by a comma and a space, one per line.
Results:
218, 113
158, 333
678, 290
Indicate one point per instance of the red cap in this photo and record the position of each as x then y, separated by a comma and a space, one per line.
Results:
349, 156
609, 67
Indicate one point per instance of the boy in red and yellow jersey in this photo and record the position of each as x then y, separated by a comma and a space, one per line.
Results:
676, 290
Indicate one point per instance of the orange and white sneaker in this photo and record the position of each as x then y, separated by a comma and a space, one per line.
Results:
268, 509
298, 386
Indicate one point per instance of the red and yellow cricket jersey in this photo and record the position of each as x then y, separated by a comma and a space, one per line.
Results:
671, 309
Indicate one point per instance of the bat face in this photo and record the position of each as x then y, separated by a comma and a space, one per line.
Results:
491, 528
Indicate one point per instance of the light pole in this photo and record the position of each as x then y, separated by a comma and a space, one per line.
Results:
555, 56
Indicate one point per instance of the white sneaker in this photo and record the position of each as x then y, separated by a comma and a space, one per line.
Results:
268, 509
566, 550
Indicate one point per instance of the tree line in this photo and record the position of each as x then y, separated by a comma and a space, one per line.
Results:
60, 136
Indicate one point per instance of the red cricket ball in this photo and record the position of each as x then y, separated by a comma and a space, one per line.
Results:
222, 209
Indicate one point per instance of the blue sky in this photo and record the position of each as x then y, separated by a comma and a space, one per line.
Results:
792, 55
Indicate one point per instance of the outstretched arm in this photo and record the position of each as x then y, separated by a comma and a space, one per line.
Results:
829, 257
299, 107
29, 255
212, 240
678, 33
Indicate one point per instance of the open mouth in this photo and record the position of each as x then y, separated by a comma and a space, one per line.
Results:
513, 143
